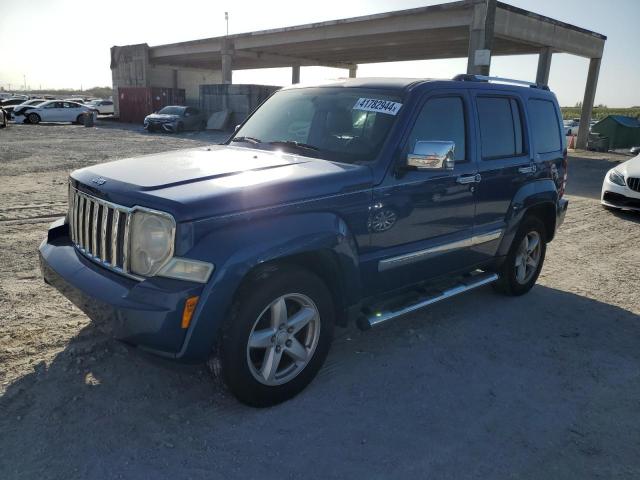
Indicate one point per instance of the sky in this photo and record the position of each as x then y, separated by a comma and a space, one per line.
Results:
65, 43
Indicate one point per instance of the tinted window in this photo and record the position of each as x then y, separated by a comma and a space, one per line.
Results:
544, 126
500, 127
107, 103
441, 119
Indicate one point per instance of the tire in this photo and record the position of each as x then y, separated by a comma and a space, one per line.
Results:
179, 128
512, 281
80, 119
33, 118
246, 369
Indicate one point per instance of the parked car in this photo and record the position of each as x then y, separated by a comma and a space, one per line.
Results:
104, 107
23, 105
175, 119
621, 186
571, 127
634, 150
343, 202
53, 111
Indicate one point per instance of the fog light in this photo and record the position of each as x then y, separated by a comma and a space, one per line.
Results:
187, 313
186, 269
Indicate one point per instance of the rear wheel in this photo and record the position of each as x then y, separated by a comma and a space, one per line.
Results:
33, 118
524, 260
278, 336
80, 119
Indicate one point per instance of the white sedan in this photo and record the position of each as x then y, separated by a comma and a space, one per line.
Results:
54, 111
104, 107
621, 187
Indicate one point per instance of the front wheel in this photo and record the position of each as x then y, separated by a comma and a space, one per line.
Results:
524, 261
33, 118
277, 337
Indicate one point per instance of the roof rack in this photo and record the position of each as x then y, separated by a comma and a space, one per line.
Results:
466, 77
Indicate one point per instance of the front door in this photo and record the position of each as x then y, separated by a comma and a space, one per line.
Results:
51, 112
421, 220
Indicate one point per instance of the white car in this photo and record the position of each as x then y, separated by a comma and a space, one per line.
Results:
102, 106
621, 187
54, 111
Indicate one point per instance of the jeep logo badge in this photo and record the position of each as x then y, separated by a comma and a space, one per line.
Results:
98, 180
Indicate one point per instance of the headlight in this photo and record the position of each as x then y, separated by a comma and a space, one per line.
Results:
152, 238
616, 177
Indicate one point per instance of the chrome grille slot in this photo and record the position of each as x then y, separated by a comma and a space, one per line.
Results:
634, 183
99, 229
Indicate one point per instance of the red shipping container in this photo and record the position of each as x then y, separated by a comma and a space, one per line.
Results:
135, 103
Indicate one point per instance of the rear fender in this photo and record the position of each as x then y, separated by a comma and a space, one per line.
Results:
237, 249
541, 193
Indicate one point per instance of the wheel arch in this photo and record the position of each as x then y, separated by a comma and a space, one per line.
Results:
323, 244
538, 198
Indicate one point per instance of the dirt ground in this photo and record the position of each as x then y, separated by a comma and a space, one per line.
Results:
481, 386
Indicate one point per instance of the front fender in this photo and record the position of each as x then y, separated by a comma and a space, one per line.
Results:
236, 249
532, 194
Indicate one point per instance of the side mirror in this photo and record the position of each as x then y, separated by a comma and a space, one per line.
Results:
432, 155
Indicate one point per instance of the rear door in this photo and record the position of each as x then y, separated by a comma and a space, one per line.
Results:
421, 220
70, 111
505, 161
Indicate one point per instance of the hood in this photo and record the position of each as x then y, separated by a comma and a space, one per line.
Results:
218, 180
630, 168
158, 116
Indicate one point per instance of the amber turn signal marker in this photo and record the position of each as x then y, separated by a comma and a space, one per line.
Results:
189, 308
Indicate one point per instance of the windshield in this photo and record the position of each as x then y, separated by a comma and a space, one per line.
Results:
171, 111
340, 124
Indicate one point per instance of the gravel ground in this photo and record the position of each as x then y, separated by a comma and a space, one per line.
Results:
481, 386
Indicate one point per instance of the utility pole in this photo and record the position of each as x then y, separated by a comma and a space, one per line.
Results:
226, 19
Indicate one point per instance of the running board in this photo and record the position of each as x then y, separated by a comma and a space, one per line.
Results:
368, 321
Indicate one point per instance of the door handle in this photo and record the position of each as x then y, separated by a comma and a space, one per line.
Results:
530, 169
466, 179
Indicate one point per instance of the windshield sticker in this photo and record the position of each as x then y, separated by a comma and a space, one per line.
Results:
373, 105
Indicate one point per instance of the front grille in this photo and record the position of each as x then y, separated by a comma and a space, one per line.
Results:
99, 229
634, 183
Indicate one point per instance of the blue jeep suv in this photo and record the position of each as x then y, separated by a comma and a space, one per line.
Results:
361, 200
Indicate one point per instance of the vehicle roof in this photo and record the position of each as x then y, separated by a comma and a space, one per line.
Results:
407, 84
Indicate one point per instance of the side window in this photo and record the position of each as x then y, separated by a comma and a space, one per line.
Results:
441, 119
53, 105
544, 126
107, 103
500, 127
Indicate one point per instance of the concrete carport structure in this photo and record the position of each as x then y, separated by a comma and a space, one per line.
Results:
477, 29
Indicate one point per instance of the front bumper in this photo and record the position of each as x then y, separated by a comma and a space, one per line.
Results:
617, 196
145, 313
160, 127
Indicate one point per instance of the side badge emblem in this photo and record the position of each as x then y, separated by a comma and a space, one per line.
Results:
98, 181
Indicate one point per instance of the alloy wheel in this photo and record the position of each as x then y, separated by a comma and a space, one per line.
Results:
283, 339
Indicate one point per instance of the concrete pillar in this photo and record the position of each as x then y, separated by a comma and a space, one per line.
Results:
174, 82
353, 70
587, 102
544, 66
481, 37
226, 53
295, 74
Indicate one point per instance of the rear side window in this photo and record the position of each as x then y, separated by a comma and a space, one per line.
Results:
544, 126
500, 127
441, 119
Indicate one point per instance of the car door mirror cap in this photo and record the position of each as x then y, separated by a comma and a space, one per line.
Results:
432, 155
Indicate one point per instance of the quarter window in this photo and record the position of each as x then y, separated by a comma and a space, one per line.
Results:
500, 127
441, 119
544, 126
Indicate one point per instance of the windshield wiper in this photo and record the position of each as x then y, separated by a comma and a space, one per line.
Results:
293, 143
253, 140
